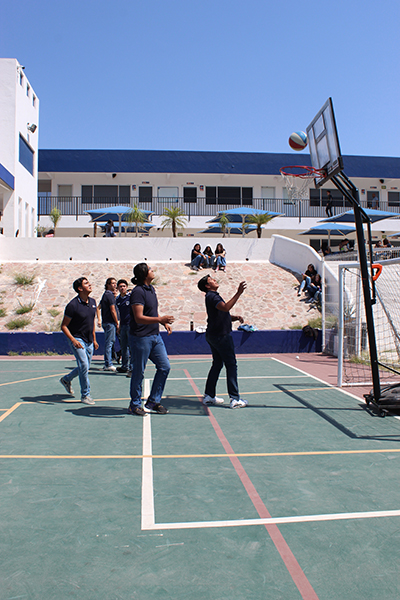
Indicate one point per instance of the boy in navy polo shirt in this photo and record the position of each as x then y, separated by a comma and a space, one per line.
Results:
219, 337
146, 343
78, 326
124, 309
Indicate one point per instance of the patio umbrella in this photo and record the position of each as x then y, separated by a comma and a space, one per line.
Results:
330, 229
348, 216
241, 214
113, 213
231, 227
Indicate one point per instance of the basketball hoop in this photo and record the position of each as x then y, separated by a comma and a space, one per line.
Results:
298, 180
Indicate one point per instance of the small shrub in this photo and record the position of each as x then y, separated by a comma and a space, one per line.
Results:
315, 323
24, 308
18, 323
22, 279
53, 312
12, 353
3, 312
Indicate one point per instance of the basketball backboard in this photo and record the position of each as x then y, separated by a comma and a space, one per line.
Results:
323, 143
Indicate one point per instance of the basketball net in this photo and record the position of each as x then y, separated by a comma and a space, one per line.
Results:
298, 180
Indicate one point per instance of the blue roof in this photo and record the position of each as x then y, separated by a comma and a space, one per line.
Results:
182, 161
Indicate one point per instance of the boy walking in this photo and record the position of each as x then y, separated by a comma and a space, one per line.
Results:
219, 337
78, 326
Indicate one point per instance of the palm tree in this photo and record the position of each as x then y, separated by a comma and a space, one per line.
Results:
223, 221
55, 216
259, 220
135, 215
174, 217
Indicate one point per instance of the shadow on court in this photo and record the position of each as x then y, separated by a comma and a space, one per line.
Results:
102, 412
51, 399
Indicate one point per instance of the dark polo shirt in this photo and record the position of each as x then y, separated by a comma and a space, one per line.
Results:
146, 296
219, 323
124, 307
82, 318
107, 300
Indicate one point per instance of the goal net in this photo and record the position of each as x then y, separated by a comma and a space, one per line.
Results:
352, 343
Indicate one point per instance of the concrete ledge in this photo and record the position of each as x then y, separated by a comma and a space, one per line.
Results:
179, 342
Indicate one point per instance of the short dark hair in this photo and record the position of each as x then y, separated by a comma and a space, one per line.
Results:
203, 283
140, 271
122, 281
78, 283
108, 281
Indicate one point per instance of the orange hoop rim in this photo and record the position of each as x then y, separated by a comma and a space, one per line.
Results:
306, 173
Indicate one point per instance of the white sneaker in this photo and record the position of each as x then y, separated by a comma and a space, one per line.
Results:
208, 400
240, 403
111, 368
88, 400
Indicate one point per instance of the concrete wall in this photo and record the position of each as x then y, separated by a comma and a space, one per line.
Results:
179, 342
126, 249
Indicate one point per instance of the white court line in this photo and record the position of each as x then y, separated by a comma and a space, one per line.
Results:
276, 521
148, 511
147, 469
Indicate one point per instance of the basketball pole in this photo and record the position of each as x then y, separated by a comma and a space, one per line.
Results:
348, 189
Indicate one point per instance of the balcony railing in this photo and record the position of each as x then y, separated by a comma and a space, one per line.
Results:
78, 205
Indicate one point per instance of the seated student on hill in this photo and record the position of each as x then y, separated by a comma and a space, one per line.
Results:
209, 255
197, 259
315, 290
307, 278
220, 260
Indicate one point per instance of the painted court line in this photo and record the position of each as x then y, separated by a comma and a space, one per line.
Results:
191, 456
296, 572
276, 520
10, 410
32, 379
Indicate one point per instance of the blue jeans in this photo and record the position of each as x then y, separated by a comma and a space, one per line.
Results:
223, 353
305, 283
124, 341
196, 261
220, 261
109, 339
83, 359
144, 348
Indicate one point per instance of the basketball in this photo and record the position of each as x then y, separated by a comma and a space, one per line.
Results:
298, 140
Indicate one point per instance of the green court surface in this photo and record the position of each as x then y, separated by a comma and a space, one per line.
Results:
296, 496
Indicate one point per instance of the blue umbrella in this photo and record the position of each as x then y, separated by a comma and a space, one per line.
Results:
231, 227
241, 214
348, 216
329, 229
113, 213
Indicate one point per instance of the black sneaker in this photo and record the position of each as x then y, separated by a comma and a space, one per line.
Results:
122, 369
137, 411
155, 407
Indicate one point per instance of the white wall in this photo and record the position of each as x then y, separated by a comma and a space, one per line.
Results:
125, 249
16, 111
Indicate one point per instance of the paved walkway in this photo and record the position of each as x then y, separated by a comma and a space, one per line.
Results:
270, 301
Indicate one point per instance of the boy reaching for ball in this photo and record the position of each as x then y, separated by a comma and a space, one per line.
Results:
219, 337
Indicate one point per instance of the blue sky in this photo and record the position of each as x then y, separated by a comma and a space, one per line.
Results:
208, 75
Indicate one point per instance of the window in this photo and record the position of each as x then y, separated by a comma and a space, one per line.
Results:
26, 155
373, 199
394, 198
106, 194
145, 193
44, 186
320, 197
64, 192
190, 194
28, 89
247, 196
87, 194
211, 195
229, 195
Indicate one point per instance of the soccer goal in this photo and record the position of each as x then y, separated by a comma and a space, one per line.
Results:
354, 366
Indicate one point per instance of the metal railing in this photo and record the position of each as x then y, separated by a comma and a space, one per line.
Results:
78, 205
